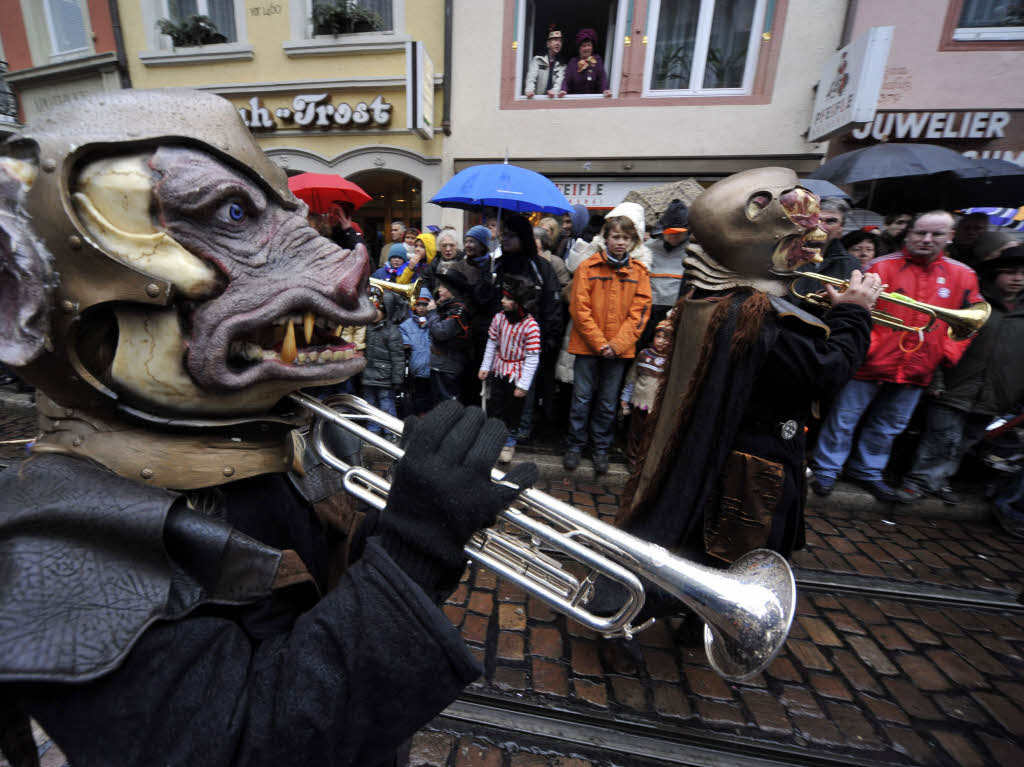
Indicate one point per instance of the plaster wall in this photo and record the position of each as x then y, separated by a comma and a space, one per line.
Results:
480, 129
920, 76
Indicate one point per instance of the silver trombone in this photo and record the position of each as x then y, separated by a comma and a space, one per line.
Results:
747, 609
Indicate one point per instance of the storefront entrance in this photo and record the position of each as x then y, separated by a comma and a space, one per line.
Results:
395, 196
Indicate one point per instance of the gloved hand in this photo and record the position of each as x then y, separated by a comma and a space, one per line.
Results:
442, 492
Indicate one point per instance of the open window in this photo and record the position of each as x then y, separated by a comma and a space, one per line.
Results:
605, 17
982, 20
702, 47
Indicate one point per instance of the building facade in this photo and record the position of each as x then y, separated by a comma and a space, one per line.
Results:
318, 93
947, 78
56, 51
699, 89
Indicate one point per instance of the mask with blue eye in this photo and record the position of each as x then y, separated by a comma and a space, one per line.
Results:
235, 212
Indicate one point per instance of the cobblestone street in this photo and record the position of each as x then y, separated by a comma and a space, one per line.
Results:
907, 648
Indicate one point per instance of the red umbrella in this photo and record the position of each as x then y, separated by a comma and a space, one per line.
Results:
319, 190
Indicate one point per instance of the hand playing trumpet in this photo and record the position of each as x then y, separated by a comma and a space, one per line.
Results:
863, 290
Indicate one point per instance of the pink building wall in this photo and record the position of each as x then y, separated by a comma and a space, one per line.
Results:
920, 75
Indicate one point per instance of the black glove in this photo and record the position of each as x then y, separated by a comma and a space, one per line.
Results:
442, 492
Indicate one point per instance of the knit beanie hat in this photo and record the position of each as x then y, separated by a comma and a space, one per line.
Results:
481, 233
397, 250
676, 216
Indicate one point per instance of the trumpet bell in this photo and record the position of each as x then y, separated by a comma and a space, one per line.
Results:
408, 292
964, 323
751, 625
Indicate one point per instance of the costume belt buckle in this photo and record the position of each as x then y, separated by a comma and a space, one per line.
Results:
788, 429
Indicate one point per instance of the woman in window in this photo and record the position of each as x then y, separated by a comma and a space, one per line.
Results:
585, 72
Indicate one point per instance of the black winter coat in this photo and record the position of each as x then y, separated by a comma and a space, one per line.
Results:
385, 352
292, 679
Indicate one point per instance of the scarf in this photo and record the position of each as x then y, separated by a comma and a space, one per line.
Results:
586, 63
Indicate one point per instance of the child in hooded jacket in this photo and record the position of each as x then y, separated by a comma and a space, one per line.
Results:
385, 353
641, 387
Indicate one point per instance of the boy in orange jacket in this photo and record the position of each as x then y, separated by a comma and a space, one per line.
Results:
609, 303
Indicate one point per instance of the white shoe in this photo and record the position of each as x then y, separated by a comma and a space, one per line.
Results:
506, 454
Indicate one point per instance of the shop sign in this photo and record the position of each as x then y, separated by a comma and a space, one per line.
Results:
419, 89
315, 110
601, 192
849, 85
978, 133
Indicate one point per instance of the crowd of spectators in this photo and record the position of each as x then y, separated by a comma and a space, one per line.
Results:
540, 321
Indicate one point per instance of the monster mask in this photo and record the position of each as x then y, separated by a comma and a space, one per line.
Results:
155, 264
757, 222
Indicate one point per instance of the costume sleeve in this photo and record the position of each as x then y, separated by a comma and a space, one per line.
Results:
639, 309
355, 676
530, 365
822, 366
581, 312
531, 348
602, 74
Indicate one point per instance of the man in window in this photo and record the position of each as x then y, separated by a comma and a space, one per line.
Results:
546, 72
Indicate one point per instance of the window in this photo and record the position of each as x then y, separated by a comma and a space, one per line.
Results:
383, 9
702, 47
221, 12
604, 17
67, 26
990, 20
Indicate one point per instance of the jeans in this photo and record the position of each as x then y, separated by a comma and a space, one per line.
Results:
886, 408
596, 385
947, 436
381, 397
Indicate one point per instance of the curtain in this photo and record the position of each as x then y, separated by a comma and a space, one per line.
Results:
727, 46
673, 51
222, 12
383, 8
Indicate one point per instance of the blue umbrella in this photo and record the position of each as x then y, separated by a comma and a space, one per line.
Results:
504, 186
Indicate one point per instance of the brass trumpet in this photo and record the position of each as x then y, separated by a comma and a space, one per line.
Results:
747, 609
963, 323
408, 292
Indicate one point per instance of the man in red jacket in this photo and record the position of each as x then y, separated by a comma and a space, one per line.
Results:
900, 364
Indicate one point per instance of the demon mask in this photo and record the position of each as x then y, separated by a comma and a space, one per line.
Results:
751, 226
155, 269
154, 260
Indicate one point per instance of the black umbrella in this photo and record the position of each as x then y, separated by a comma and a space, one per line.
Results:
893, 178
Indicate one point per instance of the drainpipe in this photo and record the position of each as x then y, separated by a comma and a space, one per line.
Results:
446, 118
122, 59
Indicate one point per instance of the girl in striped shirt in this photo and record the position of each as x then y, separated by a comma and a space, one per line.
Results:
511, 356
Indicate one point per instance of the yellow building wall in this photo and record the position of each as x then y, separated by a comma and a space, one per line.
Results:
270, 65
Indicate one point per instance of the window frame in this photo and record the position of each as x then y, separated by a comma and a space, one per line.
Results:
163, 53
615, 44
702, 38
304, 43
202, 9
51, 36
972, 38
